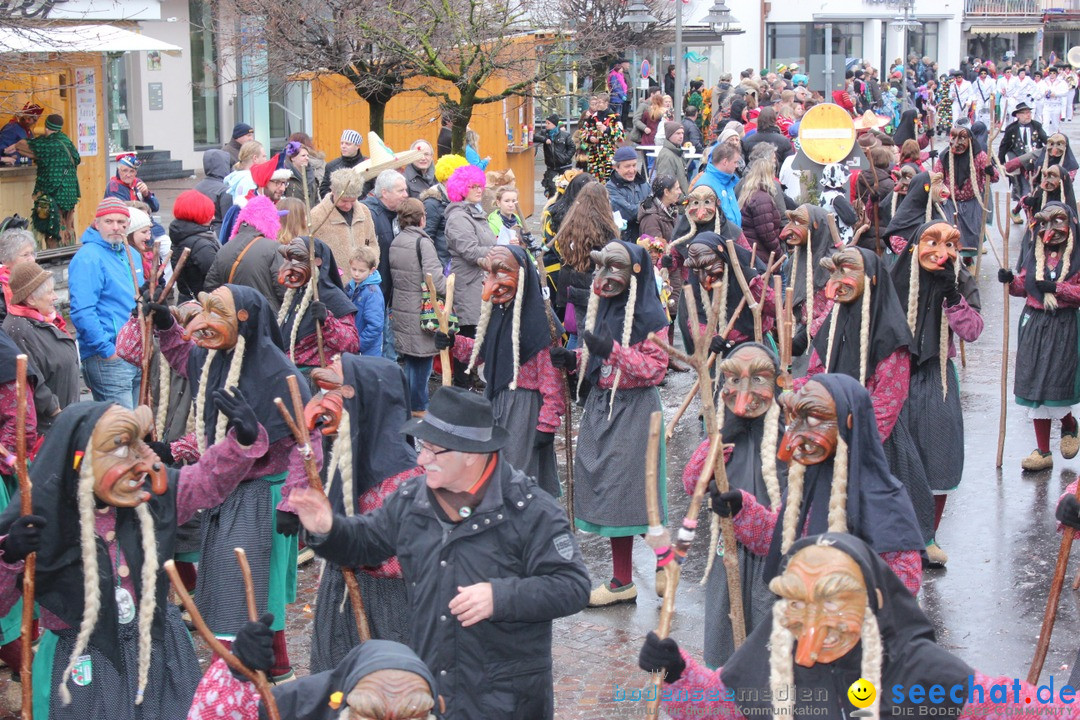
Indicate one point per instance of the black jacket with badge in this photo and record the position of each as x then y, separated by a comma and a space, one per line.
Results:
519, 540
1011, 144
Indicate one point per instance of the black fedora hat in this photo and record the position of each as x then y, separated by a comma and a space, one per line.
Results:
458, 420
1021, 108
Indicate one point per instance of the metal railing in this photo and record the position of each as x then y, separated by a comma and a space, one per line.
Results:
985, 8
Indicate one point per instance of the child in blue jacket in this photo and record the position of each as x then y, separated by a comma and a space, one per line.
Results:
367, 296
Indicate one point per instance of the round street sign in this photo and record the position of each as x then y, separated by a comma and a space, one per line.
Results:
827, 133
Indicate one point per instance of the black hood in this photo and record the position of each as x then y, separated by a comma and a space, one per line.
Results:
820, 244
265, 369
59, 579
1028, 255
377, 410
331, 294
906, 129
888, 325
751, 268
910, 653
879, 510
534, 333
308, 698
911, 211
925, 344
649, 313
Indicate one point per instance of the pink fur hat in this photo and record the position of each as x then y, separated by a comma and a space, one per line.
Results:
457, 185
261, 214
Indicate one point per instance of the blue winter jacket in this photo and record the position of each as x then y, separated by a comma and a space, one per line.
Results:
474, 158
102, 297
723, 184
370, 313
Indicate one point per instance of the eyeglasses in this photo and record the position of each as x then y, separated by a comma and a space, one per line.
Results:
425, 447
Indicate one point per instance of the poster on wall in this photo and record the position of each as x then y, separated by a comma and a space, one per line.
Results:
86, 115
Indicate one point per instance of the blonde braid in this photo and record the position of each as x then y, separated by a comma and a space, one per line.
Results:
481, 333
768, 455
913, 293
590, 323
231, 380
200, 401
796, 477
839, 492
1049, 300
714, 546
872, 654
944, 334
721, 324
518, 302
147, 596
951, 182
91, 587
781, 664
343, 452
832, 334
864, 331
627, 330
305, 301
164, 385
810, 290
286, 304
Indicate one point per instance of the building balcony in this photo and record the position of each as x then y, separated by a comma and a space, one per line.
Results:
1019, 9
1054, 7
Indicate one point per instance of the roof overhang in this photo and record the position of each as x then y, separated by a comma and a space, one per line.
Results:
79, 38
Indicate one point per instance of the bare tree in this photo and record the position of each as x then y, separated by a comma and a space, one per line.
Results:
323, 37
463, 45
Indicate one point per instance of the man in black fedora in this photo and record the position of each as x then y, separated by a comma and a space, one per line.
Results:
1022, 136
490, 560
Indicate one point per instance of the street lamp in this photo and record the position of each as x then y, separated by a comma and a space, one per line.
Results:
637, 16
902, 23
719, 18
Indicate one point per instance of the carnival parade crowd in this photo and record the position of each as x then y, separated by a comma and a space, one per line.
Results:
823, 308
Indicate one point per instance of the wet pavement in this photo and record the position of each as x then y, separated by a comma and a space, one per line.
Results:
998, 530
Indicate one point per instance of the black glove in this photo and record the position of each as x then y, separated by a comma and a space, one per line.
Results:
667, 261
578, 296
163, 450
254, 645
287, 523
599, 345
799, 341
443, 341
933, 154
234, 406
318, 311
727, 504
1067, 513
163, 319
563, 358
24, 537
657, 655
719, 346
1005, 275
989, 171
543, 440
1046, 286
947, 277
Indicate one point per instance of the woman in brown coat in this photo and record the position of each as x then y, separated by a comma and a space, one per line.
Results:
340, 221
412, 255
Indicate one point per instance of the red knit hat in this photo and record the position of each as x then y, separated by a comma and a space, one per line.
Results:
112, 206
193, 206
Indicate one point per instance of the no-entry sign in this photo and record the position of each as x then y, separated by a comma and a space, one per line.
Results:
827, 133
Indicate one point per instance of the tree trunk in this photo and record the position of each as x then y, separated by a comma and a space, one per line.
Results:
461, 112
376, 118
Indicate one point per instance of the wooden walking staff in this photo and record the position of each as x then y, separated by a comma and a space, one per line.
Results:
673, 570
442, 311
1052, 603
313, 270
568, 418
1004, 228
303, 443
259, 678
26, 507
692, 393
148, 334
660, 541
249, 598
699, 361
